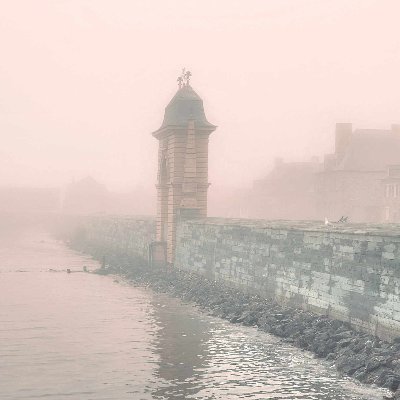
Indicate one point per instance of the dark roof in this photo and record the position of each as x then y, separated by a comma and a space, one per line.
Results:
292, 170
371, 150
185, 105
87, 183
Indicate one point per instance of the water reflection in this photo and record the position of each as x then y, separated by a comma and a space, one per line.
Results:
201, 357
181, 343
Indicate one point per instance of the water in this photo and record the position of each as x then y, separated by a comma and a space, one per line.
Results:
80, 336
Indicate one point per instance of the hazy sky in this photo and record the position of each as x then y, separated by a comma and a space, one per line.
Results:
83, 83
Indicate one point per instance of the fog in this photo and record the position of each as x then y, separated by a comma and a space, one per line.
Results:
83, 83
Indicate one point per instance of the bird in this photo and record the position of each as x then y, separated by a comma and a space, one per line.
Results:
327, 222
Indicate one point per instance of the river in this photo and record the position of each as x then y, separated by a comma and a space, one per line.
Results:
81, 336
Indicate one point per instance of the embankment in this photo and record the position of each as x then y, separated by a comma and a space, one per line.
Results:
332, 290
354, 353
348, 272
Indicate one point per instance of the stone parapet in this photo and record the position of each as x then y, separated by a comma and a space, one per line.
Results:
349, 272
122, 234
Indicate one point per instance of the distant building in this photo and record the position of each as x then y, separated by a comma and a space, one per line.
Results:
287, 192
360, 179
29, 200
391, 194
86, 196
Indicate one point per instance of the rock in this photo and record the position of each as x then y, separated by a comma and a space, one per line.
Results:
392, 382
349, 365
247, 318
374, 363
344, 342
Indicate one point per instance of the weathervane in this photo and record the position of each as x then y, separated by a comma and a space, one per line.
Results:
184, 78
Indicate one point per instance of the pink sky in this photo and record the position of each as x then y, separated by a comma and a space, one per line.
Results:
83, 83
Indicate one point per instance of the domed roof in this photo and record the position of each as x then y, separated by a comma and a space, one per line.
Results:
186, 105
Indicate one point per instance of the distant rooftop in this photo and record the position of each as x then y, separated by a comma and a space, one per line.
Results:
371, 150
284, 170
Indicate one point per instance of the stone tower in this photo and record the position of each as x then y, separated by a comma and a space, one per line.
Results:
182, 181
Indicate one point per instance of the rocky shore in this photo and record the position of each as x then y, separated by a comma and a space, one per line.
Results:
356, 354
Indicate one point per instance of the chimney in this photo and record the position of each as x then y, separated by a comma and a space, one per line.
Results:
342, 137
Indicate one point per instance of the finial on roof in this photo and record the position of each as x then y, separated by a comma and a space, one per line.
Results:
188, 74
180, 82
184, 78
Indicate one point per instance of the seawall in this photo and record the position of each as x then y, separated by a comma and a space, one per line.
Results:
122, 235
348, 272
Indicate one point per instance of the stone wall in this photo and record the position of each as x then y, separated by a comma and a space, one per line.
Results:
124, 235
348, 272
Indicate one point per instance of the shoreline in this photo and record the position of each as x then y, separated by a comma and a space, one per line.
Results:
359, 355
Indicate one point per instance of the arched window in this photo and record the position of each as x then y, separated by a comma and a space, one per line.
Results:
163, 174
